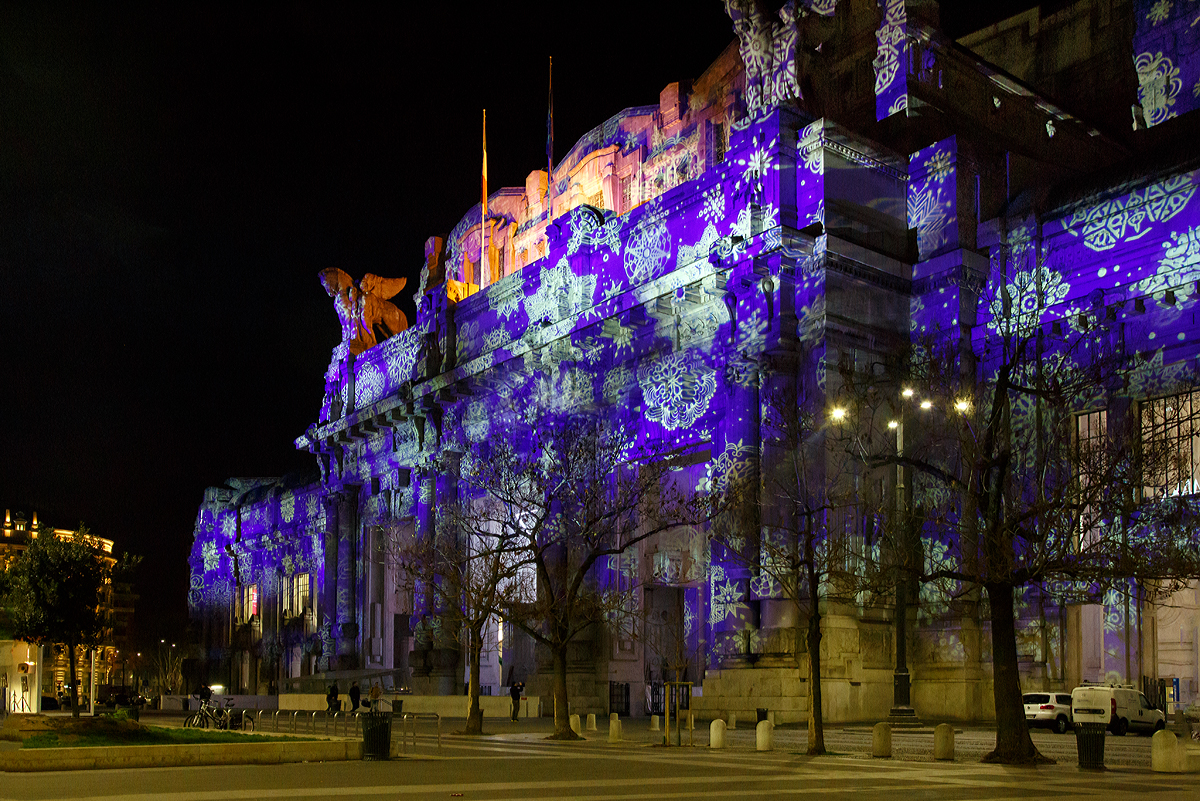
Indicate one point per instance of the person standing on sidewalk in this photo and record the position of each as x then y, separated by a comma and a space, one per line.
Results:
355, 694
514, 692
375, 694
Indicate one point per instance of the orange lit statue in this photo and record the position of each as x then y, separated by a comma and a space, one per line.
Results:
366, 315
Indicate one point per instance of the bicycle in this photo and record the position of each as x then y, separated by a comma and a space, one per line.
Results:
218, 717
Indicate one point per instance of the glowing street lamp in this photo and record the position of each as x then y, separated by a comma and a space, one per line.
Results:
838, 413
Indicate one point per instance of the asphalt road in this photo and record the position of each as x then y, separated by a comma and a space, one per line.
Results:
516, 762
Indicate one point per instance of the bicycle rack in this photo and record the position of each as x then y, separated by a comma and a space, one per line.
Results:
408, 723
275, 718
312, 723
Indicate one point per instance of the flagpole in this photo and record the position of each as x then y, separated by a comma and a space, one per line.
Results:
550, 146
483, 254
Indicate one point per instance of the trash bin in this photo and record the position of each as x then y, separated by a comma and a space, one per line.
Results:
1089, 740
377, 735
762, 714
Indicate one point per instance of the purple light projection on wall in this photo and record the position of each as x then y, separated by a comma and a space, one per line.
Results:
666, 311
891, 59
1166, 55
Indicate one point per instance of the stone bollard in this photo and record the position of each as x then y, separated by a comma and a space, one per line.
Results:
613, 716
575, 724
591, 721
654, 723
716, 734
733, 720
881, 741
943, 742
614, 728
1167, 754
764, 733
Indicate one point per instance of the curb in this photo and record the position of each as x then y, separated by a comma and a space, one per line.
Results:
34, 760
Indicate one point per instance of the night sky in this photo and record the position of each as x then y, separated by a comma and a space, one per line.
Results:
174, 176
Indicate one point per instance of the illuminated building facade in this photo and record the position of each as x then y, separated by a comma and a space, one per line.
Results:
30, 672
840, 182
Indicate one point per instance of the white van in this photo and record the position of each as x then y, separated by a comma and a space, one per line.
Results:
1119, 707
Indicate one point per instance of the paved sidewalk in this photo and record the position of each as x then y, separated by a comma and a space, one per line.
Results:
523, 765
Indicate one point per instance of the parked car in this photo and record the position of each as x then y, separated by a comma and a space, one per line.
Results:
1048, 710
1121, 708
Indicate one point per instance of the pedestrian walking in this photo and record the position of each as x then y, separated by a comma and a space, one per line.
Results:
355, 694
375, 694
331, 698
514, 692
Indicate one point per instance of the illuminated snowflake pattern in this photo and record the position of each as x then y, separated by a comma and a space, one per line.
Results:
1158, 86
400, 356
939, 166
287, 506
732, 467
1128, 218
615, 383
812, 319
212, 559
692, 253
648, 249
1179, 268
1029, 294
475, 423
725, 595
755, 166
561, 294
752, 333
930, 214
812, 147
764, 585
714, 205
505, 297
891, 48
676, 389
1160, 11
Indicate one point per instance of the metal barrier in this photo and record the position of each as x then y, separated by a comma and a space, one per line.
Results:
408, 723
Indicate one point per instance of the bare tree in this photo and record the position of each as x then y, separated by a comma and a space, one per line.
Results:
1012, 495
465, 566
814, 528
566, 491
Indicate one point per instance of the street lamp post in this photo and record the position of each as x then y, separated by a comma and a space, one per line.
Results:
902, 712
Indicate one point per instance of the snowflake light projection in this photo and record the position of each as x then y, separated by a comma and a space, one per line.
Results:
1179, 269
714, 205
693, 253
891, 93
647, 252
940, 166
504, 298
755, 165
1158, 86
734, 465
560, 294
727, 597
1159, 12
676, 389
1127, 218
1018, 307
